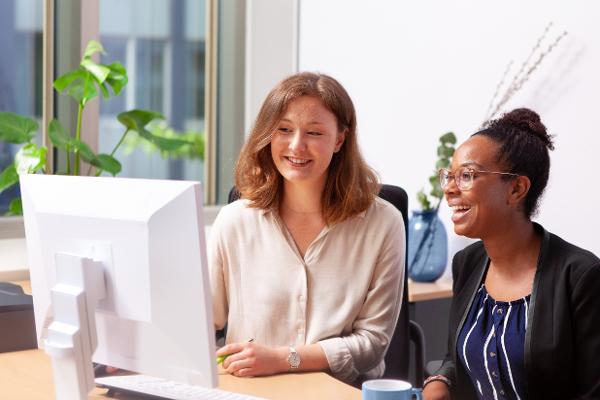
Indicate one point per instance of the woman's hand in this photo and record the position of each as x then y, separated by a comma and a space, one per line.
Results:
253, 359
436, 390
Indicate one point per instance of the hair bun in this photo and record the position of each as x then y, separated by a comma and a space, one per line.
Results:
527, 120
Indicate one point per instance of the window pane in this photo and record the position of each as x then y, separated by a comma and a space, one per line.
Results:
161, 44
20, 72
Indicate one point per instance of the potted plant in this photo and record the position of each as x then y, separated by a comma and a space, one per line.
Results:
86, 82
427, 238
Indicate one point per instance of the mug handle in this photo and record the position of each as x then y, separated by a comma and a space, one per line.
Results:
417, 393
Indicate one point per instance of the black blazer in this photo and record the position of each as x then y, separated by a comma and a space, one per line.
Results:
562, 341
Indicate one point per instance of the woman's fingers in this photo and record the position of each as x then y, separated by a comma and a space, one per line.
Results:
230, 349
239, 365
244, 372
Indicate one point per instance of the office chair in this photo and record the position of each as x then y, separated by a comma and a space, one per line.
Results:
397, 358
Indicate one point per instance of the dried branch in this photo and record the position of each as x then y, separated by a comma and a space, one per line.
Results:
523, 74
498, 87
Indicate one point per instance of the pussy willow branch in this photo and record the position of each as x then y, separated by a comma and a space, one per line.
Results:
524, 73
498, 87
519, 75
539, 60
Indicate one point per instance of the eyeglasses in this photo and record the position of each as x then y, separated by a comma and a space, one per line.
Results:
463, 177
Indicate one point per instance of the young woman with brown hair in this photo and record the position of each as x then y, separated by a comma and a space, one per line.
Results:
309, 262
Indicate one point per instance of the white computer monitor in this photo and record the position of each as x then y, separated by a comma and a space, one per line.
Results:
137, 249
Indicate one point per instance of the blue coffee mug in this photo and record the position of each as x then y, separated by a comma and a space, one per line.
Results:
389, 389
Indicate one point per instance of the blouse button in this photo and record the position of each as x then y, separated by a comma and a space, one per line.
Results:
501, 392
500, 311
492, 354
494, 374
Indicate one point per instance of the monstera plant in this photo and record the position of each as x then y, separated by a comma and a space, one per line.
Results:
88, 81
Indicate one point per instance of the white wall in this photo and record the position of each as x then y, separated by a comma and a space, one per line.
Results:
418, 69
13, 260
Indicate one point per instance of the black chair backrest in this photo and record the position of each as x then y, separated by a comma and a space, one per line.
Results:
397, 357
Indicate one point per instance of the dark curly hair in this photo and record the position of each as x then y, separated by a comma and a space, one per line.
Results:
524, 145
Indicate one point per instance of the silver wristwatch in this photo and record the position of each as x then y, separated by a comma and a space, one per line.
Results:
293, 359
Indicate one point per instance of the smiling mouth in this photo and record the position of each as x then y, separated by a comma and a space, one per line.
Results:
297, 162
458, 212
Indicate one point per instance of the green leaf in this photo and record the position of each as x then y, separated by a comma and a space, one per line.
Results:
8, 177
92, 48
102, 161
167, 144
434, 180
136, 119
193, 150
104, 90
58, 136
85, 92
30, 158
117, 78
79, 84
443, 151
107, 163
63, 81
84, 150
442, 163
15, 128
422, 198
436, 191
15, 207
448, 137
99, 72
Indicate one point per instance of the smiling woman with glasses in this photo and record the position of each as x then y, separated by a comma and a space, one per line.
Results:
524, 319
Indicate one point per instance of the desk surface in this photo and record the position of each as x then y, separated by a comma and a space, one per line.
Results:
419, 291
27, 375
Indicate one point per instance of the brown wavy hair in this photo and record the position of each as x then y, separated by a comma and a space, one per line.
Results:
351, 184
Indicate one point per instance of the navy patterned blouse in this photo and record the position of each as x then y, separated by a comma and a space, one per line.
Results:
491, 346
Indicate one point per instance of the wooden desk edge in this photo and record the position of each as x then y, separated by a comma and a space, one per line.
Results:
420, 291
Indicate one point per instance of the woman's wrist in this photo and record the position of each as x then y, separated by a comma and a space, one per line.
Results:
437, 378
282, 356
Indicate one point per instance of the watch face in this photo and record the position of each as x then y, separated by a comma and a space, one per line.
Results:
294, 359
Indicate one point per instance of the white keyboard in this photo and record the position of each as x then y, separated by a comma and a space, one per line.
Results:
167, 389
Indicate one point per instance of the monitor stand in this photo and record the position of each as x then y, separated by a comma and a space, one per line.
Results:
72, 338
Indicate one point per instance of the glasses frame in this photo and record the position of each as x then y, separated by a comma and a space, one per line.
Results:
472, 171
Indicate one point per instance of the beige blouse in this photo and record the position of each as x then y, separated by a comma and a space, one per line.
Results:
345, 294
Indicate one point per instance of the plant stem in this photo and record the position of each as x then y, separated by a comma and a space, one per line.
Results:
78, 137
112, 153
68, 163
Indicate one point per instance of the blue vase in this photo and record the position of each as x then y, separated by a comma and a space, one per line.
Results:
427, 246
